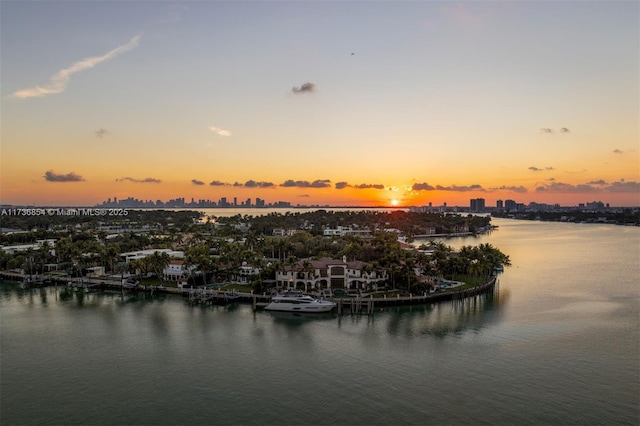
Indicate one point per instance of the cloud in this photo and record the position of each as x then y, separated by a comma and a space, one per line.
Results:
519, 189
51, 176
597, 186
565, 188
218, 183
617, 151
219, 131
253, 184
101, 132
197, 182
320, 183
457, 188
342, 185
535, 169
134, 180
422, 187
369, 186
58, 83
622, 186
305, 88
547, 130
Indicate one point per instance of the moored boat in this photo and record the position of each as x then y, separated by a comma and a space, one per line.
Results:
296, 301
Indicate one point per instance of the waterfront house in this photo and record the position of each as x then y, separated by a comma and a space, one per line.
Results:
341, 231
245, 274
177, 271
141, 254
327, 273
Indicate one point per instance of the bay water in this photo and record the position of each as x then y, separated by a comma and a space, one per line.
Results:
556, 343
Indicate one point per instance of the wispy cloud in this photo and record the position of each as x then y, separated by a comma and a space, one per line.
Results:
305, 88
320, 183
101, 132
218, 183
369, 186
598, 186
220, 131
51, 176
618, 151
622, 186
520, 189
253, 184
548, 130
342, 185
536, 169
565, 188
422, 187
134, 180
197, 182
58, 83
456, 188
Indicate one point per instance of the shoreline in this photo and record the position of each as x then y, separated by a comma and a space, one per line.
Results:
355, 304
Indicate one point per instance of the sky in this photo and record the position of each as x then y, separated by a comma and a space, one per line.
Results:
368, 103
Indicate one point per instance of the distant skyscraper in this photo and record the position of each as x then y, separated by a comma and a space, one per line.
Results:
500, 204
477, 205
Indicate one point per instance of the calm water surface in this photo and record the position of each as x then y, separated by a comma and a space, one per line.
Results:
556, 344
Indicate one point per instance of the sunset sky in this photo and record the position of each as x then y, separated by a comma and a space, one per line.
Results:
320, 102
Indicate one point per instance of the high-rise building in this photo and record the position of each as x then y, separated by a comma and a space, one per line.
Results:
477, 205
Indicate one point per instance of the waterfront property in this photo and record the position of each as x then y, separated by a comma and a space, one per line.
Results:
327, 273
141, 254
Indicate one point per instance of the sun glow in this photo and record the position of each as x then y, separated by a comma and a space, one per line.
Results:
394, 203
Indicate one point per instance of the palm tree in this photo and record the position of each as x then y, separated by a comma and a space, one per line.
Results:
157, 262
197, 256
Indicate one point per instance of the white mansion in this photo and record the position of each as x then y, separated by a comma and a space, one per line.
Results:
329, 273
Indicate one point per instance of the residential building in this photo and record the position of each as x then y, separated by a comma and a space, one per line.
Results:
177, 271
141, 254
329, 273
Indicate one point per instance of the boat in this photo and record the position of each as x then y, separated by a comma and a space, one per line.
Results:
296, 301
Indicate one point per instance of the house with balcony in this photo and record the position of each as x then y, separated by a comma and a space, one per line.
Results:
327, 273
245, 274
341, 231
176, 271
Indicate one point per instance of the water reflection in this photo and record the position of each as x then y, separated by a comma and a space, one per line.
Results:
439, 320
447, 319
296, 319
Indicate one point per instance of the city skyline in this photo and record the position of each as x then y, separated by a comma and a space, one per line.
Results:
320, 103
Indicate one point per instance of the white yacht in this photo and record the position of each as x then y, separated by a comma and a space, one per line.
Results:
296, 301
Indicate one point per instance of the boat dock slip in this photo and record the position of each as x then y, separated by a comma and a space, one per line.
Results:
213, 297
356, 306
